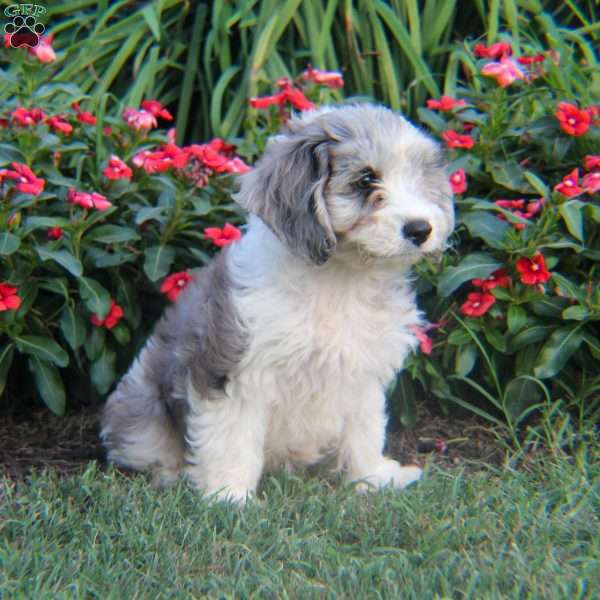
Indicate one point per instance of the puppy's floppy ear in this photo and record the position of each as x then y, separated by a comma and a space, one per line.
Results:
286, 189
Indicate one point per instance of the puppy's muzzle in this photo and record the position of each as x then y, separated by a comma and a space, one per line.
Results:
417, 231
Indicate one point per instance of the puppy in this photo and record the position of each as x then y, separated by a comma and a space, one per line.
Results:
281, 349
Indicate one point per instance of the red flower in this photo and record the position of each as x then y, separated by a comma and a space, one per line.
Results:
116, 169
498, 278
331, 79
155, 108
139, 119
456, 140
510, 204
43, 51
82, 115
222, 237
87, 200
288, 94
159, 161
573, 121
55, 233
458, 181
570, 185
24, 117
216, 156
425, 342
114, 315
477, 304
495, 51
504, 72
533, 270
237, 165
174, 284
8, 297
27, 181
592, 162
59, 124
444, 104
591, 182
530, 60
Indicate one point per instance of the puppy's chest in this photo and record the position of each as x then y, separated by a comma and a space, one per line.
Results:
333, 332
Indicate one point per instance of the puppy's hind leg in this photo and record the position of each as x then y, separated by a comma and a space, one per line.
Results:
138, 431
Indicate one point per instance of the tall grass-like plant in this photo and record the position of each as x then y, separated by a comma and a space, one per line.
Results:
205, 59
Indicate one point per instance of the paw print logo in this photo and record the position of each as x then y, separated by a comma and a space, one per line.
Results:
24, 31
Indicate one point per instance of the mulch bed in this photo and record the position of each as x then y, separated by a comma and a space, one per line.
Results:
65, 445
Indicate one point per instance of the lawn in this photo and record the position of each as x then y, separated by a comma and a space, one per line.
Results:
524, 530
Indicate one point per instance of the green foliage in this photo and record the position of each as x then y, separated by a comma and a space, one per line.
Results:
85, 273
538, 341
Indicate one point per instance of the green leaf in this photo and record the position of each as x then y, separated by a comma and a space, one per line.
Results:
44, 348
478, 265
557, 350
9, 243
158, 261
6, 355
32, 223
149, 213
434, 121
10, 154
150, 18
519, 395
102, 371
459, 337
568, 288
465, 358
96, 297
73, 327
101, 259
28, 292
537, 184
49, 384
510, 175
516, 318
528, 336
112, 234
121, 334
403, 401
495, 338
576, 313
127, 298
64, 258
488, 227
572, 214
95, 343
56, 285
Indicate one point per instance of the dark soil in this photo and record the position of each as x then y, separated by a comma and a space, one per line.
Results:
67, 444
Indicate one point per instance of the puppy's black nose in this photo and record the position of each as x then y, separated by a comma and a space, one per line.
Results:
417, 231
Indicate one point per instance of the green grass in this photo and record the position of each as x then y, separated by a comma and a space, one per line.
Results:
491, 533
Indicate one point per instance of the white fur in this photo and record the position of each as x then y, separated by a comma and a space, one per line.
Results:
313, 380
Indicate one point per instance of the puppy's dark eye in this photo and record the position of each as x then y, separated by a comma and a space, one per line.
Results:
366, 181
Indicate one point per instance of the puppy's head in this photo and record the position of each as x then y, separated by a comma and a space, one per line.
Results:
355, 180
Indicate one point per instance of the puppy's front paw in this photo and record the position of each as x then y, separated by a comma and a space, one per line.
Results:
390, 472
231, 495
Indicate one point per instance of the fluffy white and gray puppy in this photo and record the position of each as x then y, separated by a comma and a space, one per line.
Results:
280, 351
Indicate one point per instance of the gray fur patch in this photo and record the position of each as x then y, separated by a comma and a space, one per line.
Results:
201, 336
286, 189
